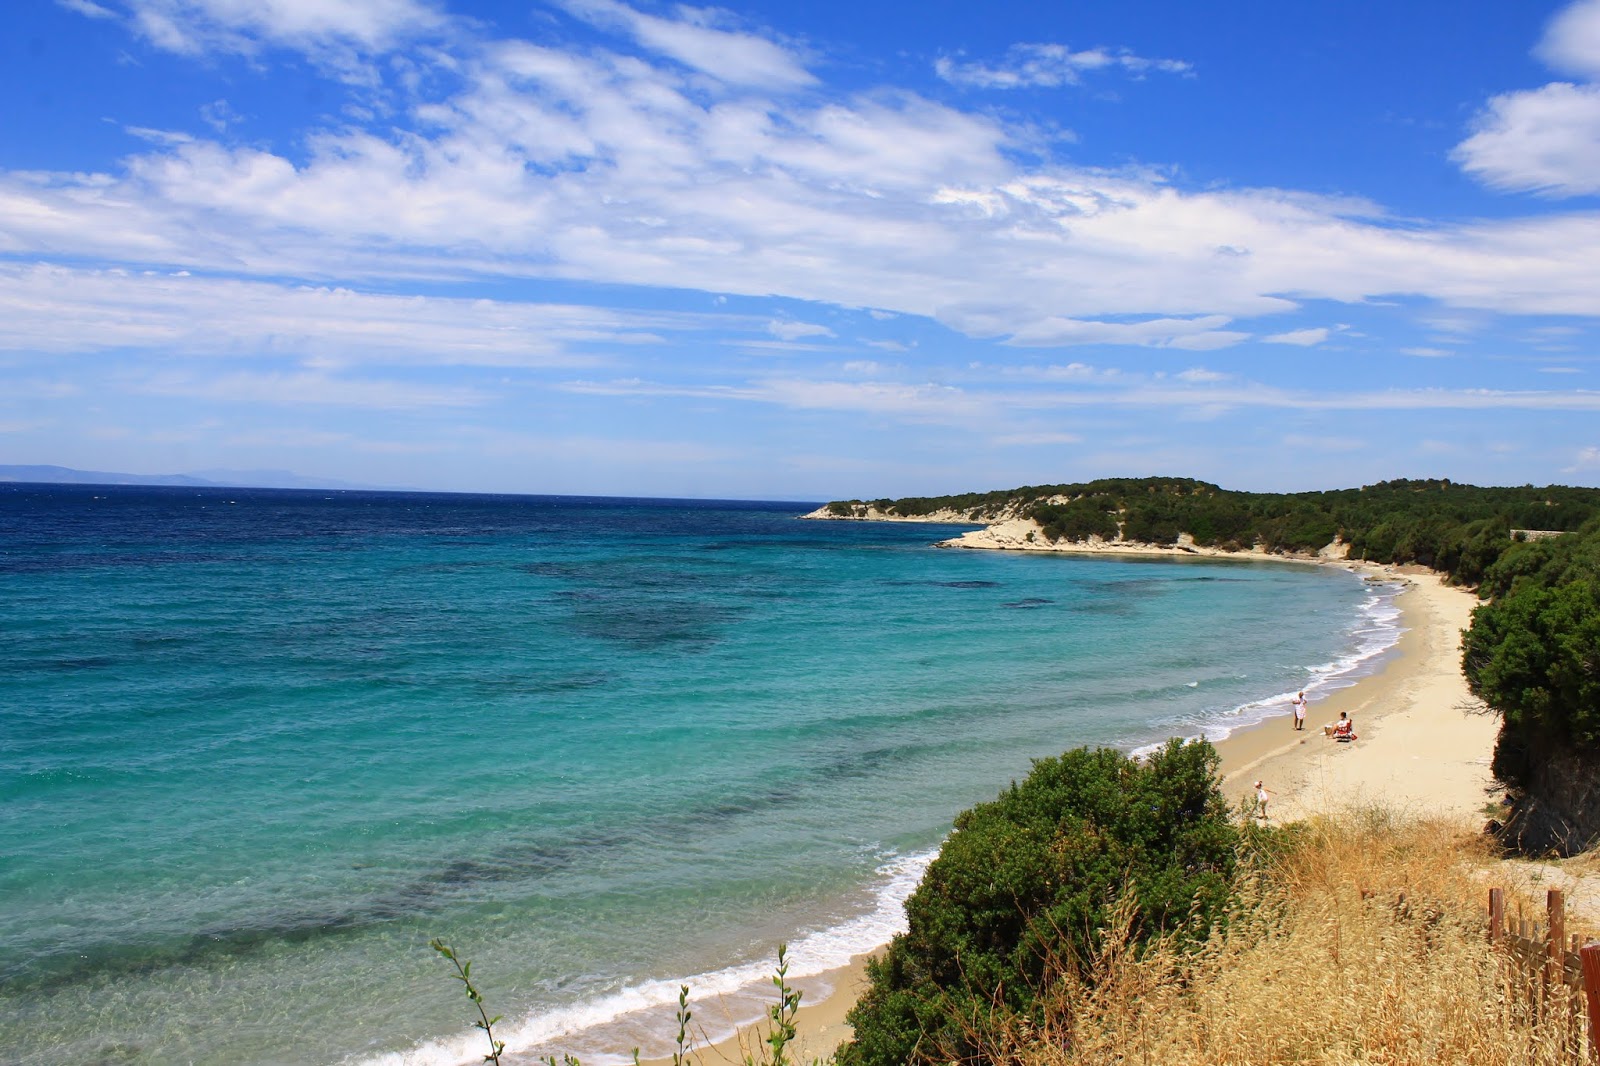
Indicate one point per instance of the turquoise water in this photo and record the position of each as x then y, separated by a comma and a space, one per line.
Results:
257, 747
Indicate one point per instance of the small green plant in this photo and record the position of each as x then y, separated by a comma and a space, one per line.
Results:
782, 1014
484, 1022
680, 1057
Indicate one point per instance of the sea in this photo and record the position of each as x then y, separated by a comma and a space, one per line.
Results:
259, 747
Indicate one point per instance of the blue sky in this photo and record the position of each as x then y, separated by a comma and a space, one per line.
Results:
802, 251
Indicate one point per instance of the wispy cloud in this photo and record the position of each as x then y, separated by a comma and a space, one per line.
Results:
789, 330
1305, 338
1050, 66
88, 8
696, 40
178, 313
306, 388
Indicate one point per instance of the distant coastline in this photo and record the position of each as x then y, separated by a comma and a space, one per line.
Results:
206, 479
1025, 534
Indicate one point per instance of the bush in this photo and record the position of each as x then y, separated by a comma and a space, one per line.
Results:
1033, 877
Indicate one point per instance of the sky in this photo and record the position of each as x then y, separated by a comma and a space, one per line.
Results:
802, 251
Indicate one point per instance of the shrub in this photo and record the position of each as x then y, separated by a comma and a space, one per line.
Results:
1032, 877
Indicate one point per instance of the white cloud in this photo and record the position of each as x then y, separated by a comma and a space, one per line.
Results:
1427, 353
1049, 66
1546, 140
1306, 338
1201, 333
189, 315
1586, 459
88, 8
790, 330
694, 39
605, 167
1571, 42
333, 31
1542, 140
219, 115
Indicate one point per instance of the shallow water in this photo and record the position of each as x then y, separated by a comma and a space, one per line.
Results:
257, 747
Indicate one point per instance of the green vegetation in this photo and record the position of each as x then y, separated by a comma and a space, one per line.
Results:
464, 975
1031, 879
1533, 655
1458, 529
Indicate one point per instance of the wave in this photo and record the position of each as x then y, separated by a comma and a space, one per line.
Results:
638, 1014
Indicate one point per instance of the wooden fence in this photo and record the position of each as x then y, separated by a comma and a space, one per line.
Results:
1548, 956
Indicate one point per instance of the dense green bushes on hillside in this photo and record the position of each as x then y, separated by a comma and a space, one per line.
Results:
1028, 882
1533, 655
1458, 529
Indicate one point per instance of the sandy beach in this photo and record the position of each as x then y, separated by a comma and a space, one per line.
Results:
1424, 746
1424, 741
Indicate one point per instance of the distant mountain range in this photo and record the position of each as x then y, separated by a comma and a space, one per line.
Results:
239, 479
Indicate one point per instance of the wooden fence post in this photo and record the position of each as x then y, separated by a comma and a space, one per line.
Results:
1555, 906
1497, 914
1590, 954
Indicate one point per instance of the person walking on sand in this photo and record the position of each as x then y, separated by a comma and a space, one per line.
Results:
1299, 702
1262, 792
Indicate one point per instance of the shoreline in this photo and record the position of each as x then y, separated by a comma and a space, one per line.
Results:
1424, 742
1424, 746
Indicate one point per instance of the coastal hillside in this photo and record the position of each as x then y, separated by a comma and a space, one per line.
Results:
1458, 529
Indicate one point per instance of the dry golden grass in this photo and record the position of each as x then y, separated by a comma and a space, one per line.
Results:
1366, 943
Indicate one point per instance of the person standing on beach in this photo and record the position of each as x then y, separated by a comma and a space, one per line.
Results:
1262, 792
1299, 702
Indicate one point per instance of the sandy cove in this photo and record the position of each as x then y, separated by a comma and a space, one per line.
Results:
1424, 748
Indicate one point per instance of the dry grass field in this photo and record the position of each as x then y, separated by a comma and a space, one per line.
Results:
1364, 942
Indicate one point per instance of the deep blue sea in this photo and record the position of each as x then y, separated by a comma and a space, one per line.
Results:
258, 746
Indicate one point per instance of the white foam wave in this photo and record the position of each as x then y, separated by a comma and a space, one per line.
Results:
811, 954
1375, 631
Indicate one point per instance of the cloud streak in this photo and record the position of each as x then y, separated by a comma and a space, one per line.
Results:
1050, 66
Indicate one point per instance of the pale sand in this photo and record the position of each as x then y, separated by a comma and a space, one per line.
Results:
820, 1025
1424, 748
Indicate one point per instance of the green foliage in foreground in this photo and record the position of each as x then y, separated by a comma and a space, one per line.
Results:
1027, 883
1458, 529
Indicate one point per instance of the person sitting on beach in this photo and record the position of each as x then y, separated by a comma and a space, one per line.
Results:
1345, 728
